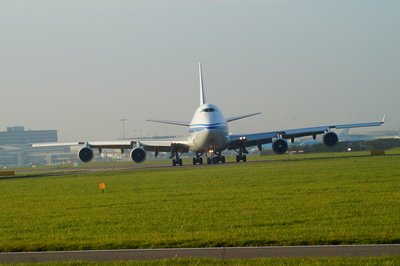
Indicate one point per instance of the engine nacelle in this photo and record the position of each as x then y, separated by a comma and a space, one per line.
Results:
138, 155
330, 139
280, 146
85, 154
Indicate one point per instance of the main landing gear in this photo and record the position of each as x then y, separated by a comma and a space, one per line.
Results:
177, 159
241, 158
198, 159
241, 154
213, 159
216, 159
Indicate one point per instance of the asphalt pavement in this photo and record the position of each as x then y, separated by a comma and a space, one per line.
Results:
217, 253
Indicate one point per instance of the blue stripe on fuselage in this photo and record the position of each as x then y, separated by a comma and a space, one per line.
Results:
199, 127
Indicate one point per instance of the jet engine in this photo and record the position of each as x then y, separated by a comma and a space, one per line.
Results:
85, 154
330, 139
138, 155
279, 146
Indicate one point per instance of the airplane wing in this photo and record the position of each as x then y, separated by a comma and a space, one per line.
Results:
257, 139
112, 144
86, 152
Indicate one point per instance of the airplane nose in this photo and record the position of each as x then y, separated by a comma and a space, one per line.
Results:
209, 139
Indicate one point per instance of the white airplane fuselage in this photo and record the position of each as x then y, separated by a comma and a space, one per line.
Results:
208, 130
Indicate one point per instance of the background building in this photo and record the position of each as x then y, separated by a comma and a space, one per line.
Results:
14, 149
18, 136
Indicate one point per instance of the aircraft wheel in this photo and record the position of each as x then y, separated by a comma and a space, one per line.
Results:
180, 162
244, 158
208, 161
194, 161
237, 158
215, 160
173, 162
223, 159
201, 160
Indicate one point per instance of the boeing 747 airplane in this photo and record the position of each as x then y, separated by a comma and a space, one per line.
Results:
209, 136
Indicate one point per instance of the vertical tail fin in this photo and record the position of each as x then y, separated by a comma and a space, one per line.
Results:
202, 97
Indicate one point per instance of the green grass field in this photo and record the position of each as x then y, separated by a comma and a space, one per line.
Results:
327, 199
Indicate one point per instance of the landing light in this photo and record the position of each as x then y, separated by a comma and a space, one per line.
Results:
242, 138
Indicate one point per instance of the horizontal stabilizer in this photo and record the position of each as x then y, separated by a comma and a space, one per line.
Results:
240, 117
170, 122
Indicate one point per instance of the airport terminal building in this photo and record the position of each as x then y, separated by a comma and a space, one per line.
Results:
14, 149
18, 136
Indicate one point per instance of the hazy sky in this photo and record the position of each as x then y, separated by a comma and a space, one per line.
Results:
81, 66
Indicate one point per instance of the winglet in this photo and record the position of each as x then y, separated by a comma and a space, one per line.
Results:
383, 119
202, 97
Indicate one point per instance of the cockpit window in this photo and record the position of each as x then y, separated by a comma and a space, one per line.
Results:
207, 110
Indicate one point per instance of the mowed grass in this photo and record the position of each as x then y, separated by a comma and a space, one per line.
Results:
333, 200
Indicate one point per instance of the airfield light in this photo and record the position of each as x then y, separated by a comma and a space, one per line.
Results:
102, 186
